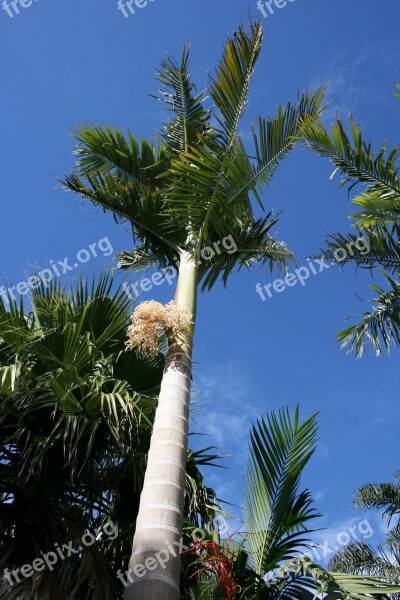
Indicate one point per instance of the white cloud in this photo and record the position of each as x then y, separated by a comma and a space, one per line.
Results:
352, 80
223, 410
364, 527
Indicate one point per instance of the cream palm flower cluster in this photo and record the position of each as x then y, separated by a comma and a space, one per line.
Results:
150, 320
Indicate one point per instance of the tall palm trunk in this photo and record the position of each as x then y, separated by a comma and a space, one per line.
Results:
155, 562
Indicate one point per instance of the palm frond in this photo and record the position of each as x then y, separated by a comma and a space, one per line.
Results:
126, 201
200, 171
380, 327
212, 185
138, 260
104, 149
361, 587
202, 503
356, 158
8, 378
358, 558
230, 85
276, 513
391, 542
335, 584
376, 221
376, 209
366, 249
276, 136
191, 119
250, 245
378, 496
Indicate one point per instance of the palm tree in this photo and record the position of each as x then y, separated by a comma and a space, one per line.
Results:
266, 562
363, 559
188, 192
76, 413
375, 245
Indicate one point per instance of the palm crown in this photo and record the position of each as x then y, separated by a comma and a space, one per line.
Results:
192, 186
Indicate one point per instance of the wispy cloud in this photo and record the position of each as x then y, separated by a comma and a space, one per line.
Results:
365, 527
351, 75
223, 411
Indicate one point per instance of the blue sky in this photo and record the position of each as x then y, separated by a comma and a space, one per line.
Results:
68, 62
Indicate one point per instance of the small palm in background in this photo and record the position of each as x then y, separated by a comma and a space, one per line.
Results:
362, 559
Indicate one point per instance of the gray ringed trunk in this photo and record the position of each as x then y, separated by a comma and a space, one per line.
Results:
154, 568
155, 564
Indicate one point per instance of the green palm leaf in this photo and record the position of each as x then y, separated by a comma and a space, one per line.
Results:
380, 327
191, 119
358, 558
335, 584
253, 245
212, 181
103, 149
230, 84
367, 249
379, 496
355, 158
382, 563
276, 513
377, 208
377, 220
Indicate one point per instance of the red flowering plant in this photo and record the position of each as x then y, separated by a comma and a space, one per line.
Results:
219, 560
